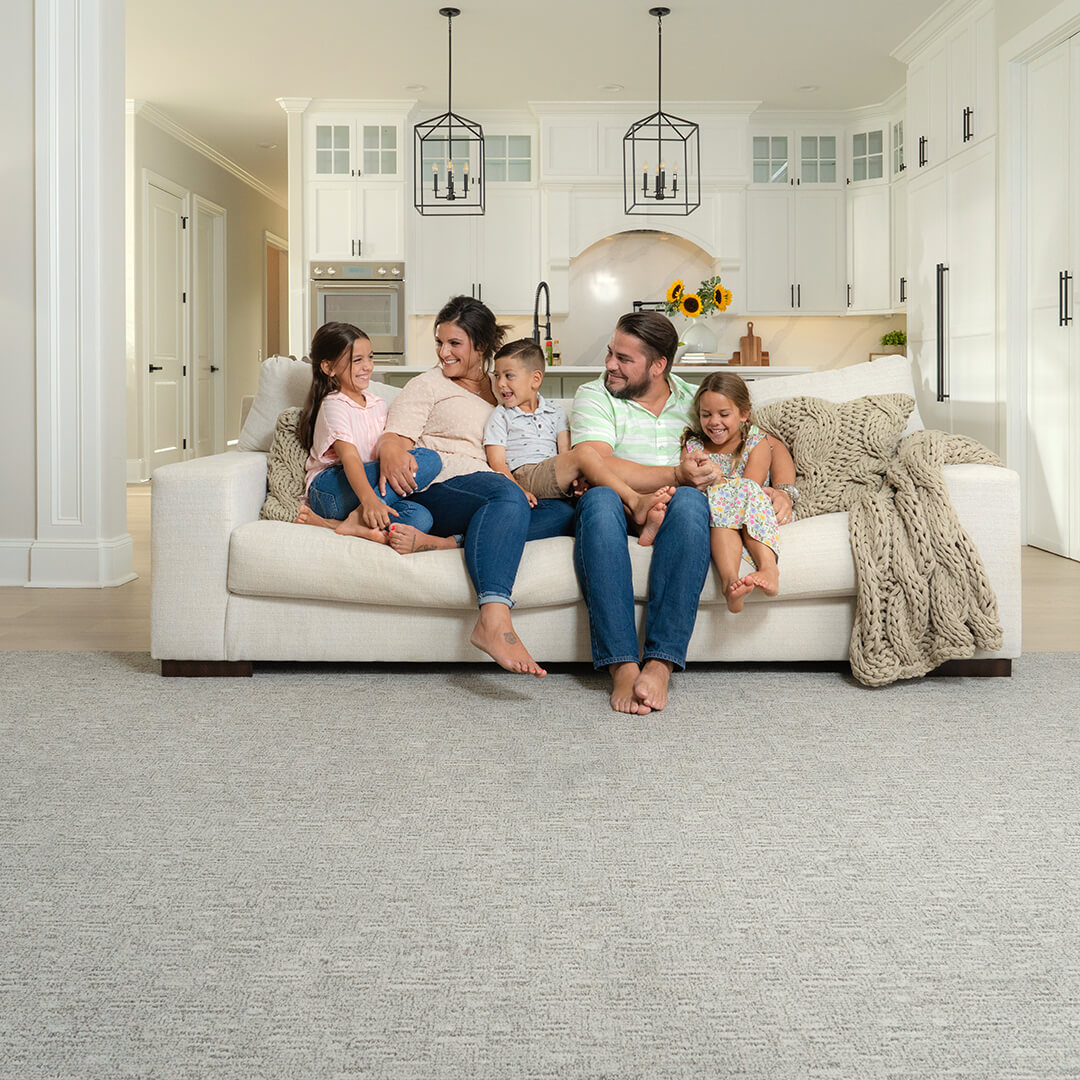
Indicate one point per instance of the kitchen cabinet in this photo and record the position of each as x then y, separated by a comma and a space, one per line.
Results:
796, 251
951, 308
868, 155
951, 90
495, 258
796, 158
869, 235
1052, 446
354, 187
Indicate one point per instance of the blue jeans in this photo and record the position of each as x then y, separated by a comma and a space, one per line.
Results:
331, 495
680, 561
494, 516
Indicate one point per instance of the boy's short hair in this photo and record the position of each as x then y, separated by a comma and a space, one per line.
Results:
525, 351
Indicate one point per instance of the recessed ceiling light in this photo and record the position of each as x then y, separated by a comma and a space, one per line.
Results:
267, 145
612, 87
809, 88
416, 87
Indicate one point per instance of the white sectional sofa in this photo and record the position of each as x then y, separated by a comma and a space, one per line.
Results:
230, 589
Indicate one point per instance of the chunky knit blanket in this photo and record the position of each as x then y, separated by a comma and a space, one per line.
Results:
923, 596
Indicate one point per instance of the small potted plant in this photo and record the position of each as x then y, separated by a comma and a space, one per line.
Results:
895, 341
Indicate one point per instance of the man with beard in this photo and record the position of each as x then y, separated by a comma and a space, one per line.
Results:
635, 417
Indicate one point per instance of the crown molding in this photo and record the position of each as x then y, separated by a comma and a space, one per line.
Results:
635, 109
932, 28
293, 104
154, 115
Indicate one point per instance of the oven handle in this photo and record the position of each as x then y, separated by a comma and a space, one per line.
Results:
388, 286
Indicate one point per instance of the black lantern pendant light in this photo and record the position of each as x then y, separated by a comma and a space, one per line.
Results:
448, 165
661, 155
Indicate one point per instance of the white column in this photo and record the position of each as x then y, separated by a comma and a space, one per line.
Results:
298, 271
81, 537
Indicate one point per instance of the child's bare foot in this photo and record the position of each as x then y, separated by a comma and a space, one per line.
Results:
623, 698
767, 580
353, 526
651, 686
494, 634
639, 511
307, 516
737, 592
653, 520
405, 539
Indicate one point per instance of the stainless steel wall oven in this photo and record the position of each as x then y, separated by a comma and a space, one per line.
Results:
368, 295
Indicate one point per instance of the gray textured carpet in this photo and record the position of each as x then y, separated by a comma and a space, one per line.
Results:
362, 873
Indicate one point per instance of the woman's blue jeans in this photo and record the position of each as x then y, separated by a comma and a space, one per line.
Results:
680, 561
331, 495
494, 516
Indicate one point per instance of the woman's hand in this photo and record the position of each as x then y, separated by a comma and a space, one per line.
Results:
397, 467
781, 502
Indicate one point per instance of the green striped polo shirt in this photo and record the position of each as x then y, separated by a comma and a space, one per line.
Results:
629, 428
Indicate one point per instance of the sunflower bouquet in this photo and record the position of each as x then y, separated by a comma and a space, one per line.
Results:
712, 295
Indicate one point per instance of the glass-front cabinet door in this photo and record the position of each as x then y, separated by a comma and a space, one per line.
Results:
771, 159
817, 159
333, 150
868, 155
898, 165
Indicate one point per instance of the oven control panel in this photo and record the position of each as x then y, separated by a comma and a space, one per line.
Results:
357, 271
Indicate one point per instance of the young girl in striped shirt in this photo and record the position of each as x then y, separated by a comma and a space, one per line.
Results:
340, 424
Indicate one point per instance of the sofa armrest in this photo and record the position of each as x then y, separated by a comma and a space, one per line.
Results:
987, 502
194, 507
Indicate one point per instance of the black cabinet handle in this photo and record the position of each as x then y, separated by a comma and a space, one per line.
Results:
849, 296
792, 295
156, 367
942, 270
922, 151
798, 295
1064, 318
969, 126
903, 290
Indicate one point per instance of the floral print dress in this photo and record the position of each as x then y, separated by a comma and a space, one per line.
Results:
735, 502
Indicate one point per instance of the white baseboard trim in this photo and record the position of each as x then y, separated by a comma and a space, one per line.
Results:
137, 472
15, 562
81, 564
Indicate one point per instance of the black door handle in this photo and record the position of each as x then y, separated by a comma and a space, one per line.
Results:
942, 270
156, 367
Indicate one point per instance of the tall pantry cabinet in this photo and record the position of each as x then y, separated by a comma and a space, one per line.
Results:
952, 227
1053, 255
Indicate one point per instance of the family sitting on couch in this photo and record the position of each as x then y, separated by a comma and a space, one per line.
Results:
453, 463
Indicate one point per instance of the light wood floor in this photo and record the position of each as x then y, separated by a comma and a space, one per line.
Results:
118, 620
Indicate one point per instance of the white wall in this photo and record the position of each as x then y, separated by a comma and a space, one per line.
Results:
249, 214
17, 428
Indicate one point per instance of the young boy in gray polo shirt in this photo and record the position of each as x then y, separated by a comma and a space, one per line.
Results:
528, 439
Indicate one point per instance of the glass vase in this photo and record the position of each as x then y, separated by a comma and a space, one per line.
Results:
698, 337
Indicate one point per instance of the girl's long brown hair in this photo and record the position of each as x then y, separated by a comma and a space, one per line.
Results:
734, 388
332, 342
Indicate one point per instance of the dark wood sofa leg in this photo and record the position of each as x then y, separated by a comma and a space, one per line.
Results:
201, 669
976, 669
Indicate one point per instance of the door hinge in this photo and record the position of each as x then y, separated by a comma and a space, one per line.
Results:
183, 222
183, 296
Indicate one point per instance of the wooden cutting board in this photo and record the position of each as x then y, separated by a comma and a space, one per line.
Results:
750, 348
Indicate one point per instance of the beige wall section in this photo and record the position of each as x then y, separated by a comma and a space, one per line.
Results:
18, 489
248, 217
1012, 16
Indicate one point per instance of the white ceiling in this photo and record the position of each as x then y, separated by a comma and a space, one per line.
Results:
217, 66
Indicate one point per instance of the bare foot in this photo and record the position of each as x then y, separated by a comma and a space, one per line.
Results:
623, 698
405, 539
737, 592
644, 503
307, 516
653, 520
494, 634
767, 580
651, 686
354, 526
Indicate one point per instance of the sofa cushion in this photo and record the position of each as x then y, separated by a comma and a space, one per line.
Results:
887, 375
841, 449
283, 382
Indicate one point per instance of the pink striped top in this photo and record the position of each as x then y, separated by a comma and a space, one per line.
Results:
341, 418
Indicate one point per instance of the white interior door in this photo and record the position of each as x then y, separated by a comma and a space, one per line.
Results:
164, 331
207, 382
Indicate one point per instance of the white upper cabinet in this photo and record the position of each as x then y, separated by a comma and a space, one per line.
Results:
868, 154
869, 250
798, 157
951, 101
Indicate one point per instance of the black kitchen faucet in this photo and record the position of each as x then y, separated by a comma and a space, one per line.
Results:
536, 313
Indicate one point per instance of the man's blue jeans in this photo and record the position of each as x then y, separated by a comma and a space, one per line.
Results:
680, 561
331, 495
494, 515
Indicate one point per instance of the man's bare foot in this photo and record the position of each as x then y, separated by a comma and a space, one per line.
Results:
653, 520
494, 634
353, 526
307, 516
651, 686
405, 539
736, 593
623, 698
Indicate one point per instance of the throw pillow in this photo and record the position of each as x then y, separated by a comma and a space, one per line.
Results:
283, 383
285, 466
841, 449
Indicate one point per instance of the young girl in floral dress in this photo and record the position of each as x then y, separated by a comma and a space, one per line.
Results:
741, 513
